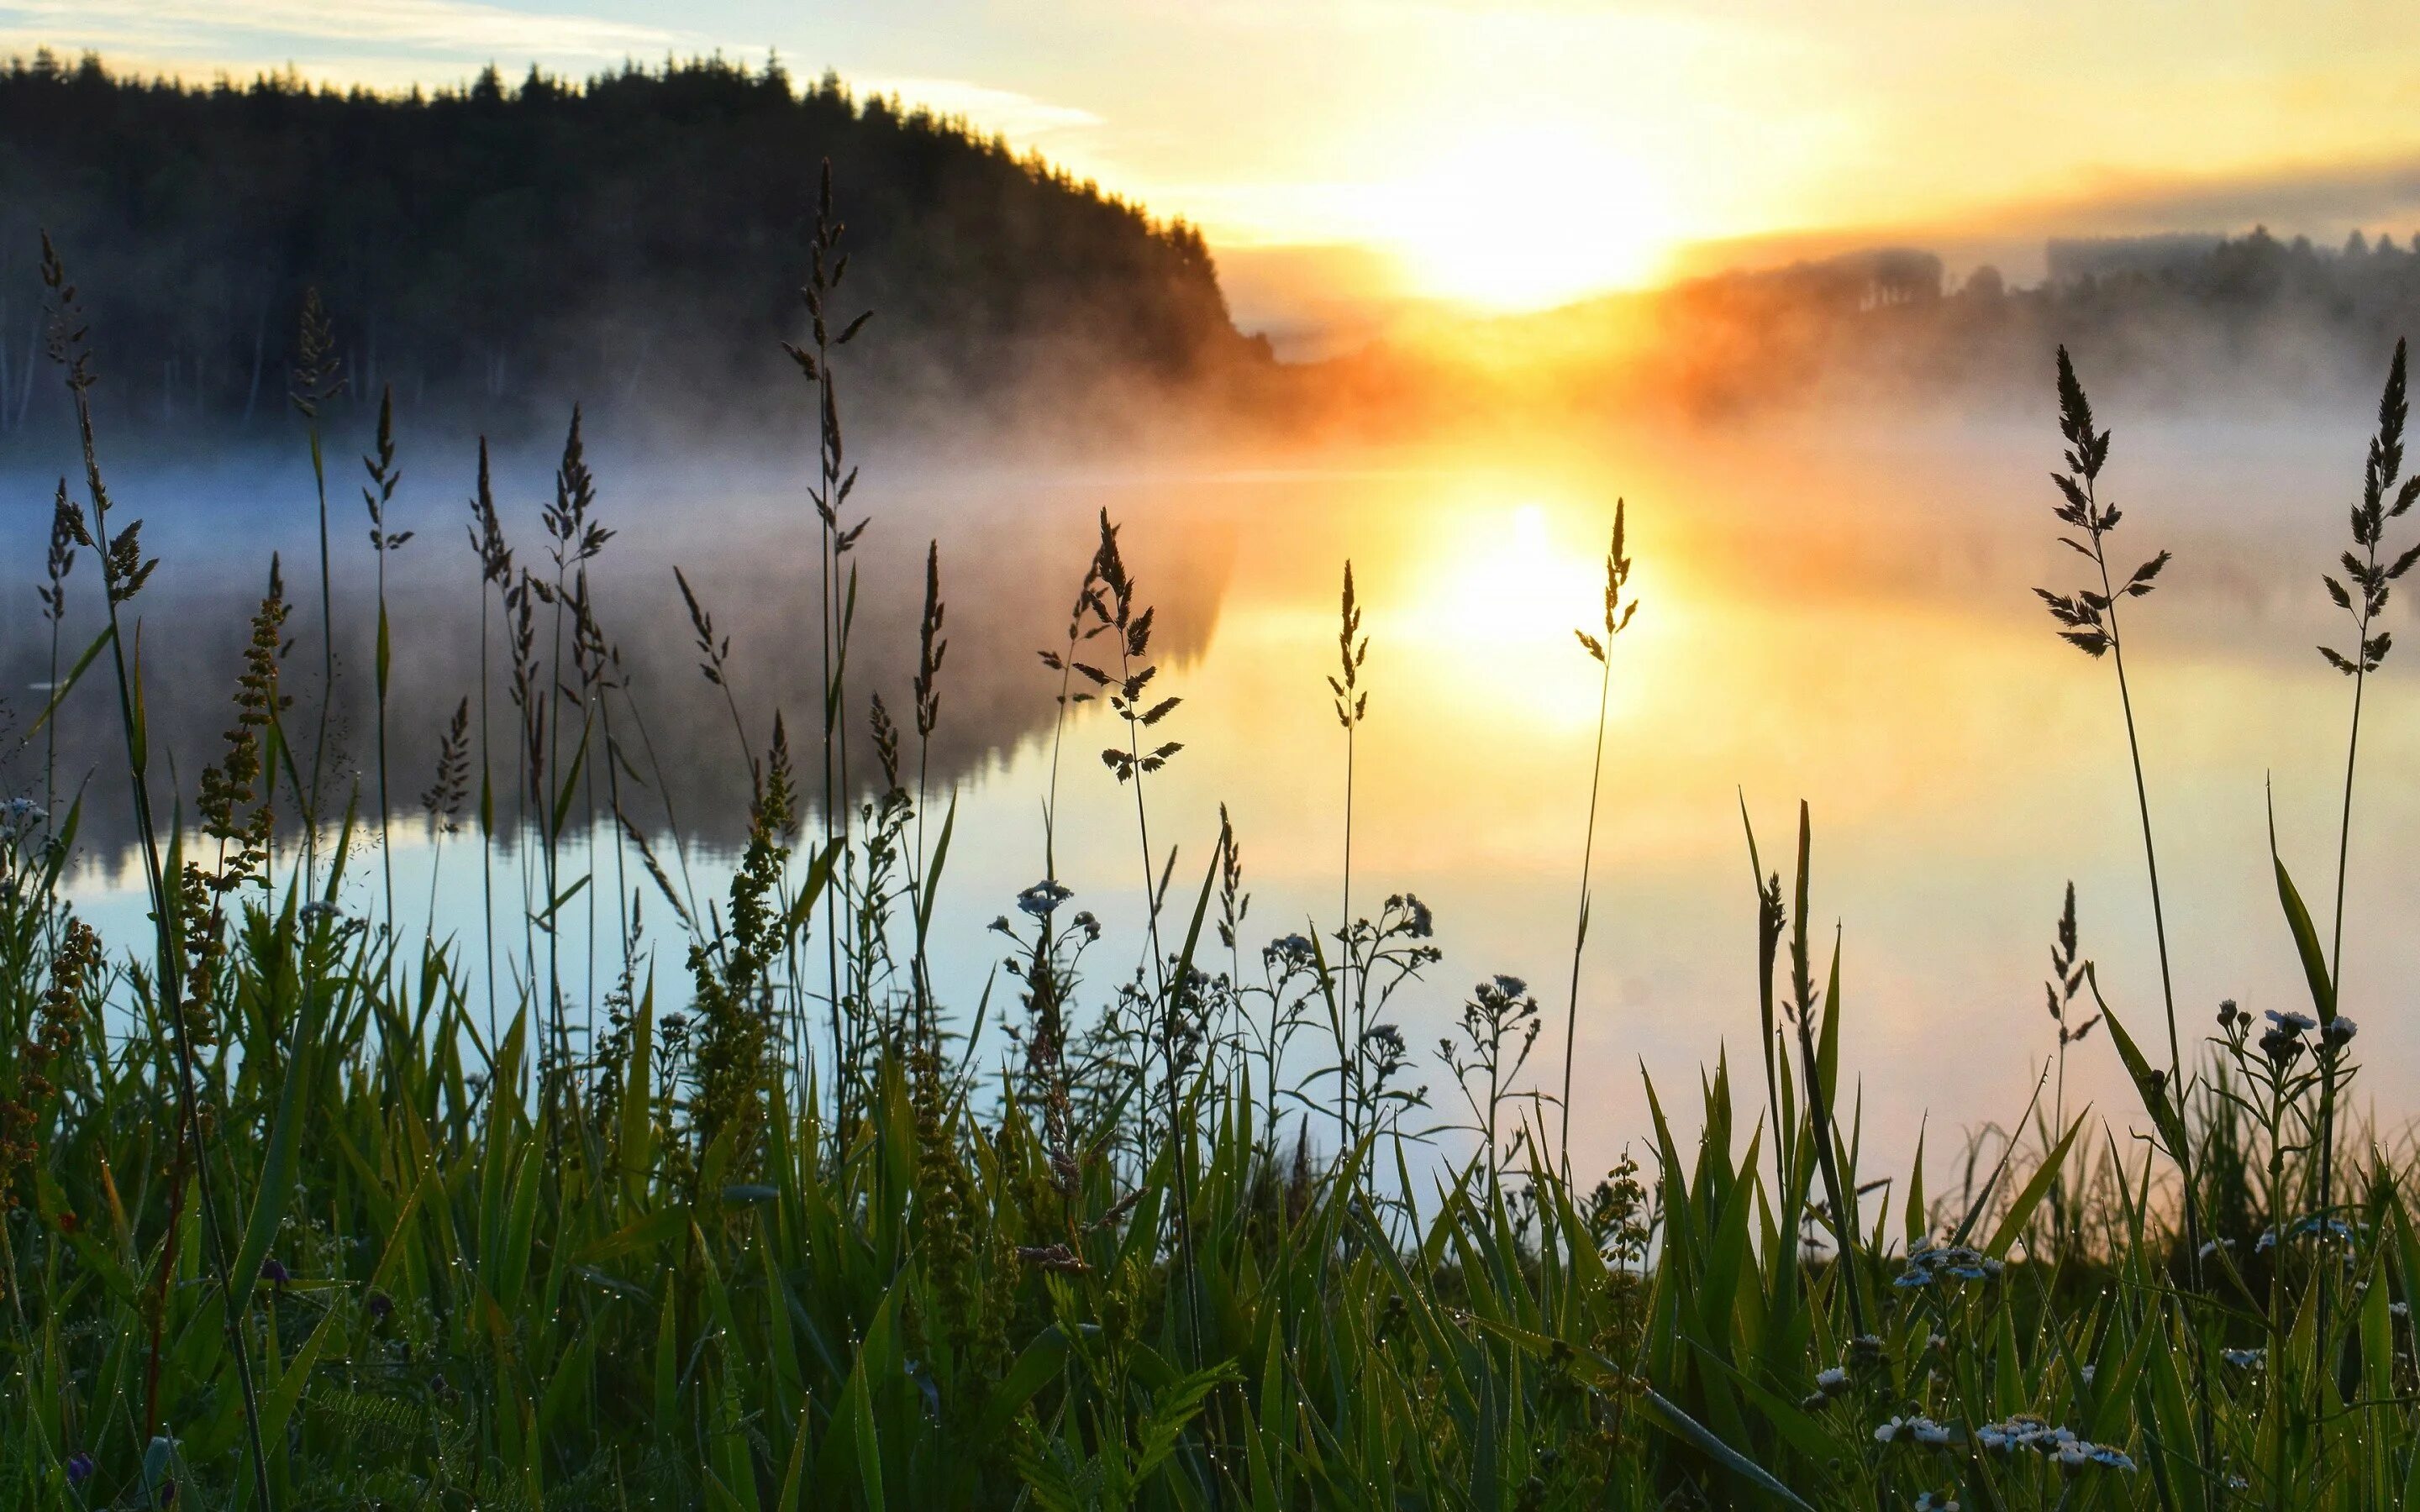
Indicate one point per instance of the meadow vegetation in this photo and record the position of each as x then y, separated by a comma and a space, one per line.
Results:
305, 1210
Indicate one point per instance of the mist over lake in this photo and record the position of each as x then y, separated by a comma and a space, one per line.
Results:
1836, 608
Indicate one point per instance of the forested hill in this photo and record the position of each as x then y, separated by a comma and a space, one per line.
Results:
635, 241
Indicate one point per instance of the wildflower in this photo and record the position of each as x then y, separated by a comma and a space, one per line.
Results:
2341, 1029
80, 1467
2245, 1359
1928, 1502
1292, 951
20, 812
2229, 1014
2026, 1431
1922, 1429
2089, 1372
2282, 1046
2268, 1241
1044, 898
275, 1273
999, 925
2211, 1247
1956, 1262
2399, 1309
2293, 1023
317, 910
1085, 924
1832, 1381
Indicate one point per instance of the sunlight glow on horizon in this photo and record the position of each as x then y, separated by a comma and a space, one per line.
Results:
1525, 218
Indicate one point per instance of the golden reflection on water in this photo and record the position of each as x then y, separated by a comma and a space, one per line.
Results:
1843, 617
1816, 625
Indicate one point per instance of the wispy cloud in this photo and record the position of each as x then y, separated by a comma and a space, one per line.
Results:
229, 30
1020, 116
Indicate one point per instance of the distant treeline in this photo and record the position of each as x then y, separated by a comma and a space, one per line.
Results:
636, 240
2156, 317
2171, 319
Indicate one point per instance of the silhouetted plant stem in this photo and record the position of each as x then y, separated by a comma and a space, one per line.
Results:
2363, 596
316, 379
495, 569
1616, 618
2089, 621
1818, 1103
1352, 704
834, 481
931, 648
124, 572
61, 560
378, 496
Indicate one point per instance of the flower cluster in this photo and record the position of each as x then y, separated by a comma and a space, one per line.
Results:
1947, 1262
2282, 1041
1290, 953
1917, 1429
1043, 899
2026, 1431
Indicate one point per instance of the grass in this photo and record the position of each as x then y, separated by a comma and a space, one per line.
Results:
307, 1212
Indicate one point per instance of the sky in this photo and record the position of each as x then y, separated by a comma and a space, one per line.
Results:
1509, 156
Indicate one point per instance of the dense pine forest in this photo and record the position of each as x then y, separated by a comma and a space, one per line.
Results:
635, 241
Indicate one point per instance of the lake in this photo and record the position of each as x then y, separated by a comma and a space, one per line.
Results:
1836, 610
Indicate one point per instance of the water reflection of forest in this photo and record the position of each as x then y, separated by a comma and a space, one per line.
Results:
1011, 567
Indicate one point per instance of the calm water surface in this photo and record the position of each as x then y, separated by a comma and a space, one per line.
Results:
1839, 612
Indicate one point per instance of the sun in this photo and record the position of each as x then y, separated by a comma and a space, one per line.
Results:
1526, 218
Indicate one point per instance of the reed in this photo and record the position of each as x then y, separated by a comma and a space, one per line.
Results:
2066, 979
1618, 611
125, 571
2361, 593
377, 496
495, 557
2088, 620
835, 480
1352, 706
315, 377
57, 562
